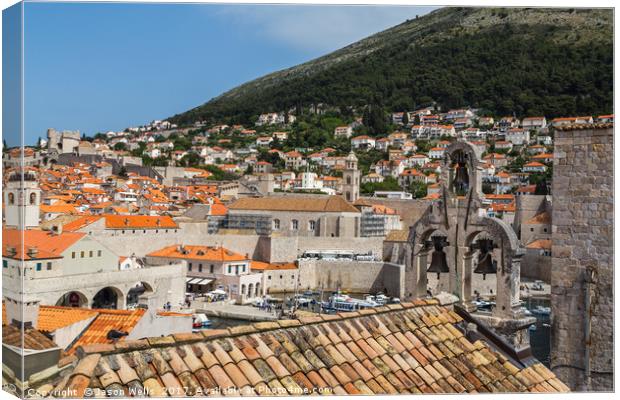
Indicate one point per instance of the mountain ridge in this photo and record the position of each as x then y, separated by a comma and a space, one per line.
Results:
564, 29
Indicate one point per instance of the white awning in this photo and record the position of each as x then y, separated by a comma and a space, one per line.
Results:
198, 281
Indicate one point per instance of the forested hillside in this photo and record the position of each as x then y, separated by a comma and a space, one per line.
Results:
550, 62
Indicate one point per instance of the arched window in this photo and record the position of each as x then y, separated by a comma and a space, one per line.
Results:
33, 198
311, 225
294, 225
11, 198
276, 224
348, 180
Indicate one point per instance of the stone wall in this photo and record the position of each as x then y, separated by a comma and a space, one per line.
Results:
270, 249
583, 178
353, 276
536, 266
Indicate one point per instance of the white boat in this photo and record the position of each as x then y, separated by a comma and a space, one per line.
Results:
540, 310
200, 321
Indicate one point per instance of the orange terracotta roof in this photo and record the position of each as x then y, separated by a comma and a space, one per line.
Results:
48, 244
542, 218
540, 244
534, 164
263, 266
198, 253
96, 333
500, 196
54, 317
139, 222
31, 339
294, 203
59, 209
80, 223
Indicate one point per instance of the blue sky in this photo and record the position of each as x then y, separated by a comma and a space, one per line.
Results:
99, 67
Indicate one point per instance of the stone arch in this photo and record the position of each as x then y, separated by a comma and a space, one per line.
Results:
257, 290
73, 298
109, 297
472, 156
139, 289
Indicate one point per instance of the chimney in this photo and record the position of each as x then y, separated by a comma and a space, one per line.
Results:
11, 251
57, 229
20, 312
32, 252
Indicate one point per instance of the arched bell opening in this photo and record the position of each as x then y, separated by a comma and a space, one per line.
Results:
482, 263
459, 182
430, 261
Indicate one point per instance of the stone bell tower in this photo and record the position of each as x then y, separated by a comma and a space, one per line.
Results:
22, 199
454, 239
351, 179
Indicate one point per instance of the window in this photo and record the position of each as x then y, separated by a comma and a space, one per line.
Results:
98, 253
211, 268
269, 277
90, 254
189, 266
280, 276
82, 254
73, 254
49, 266
531, 229
39, 265
33, 198
276, 224
230, 269
5, 264
294, 225
348, 180
545, 230
236, 270
199, 267
243, 268
311, 225
11, 198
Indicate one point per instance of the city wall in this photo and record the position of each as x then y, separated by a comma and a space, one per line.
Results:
353, 276
582, 259
270, 249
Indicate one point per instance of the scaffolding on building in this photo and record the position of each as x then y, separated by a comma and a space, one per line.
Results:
372, 225
261, 224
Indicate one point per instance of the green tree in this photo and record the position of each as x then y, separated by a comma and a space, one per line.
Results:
418, 189
120, 146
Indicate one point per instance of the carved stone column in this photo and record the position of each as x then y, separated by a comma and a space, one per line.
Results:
464, 274
420, 271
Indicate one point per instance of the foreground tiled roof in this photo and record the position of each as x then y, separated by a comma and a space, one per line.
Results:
408, 348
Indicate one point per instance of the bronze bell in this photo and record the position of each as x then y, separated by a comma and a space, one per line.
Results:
461, 179
486, 264
439, 263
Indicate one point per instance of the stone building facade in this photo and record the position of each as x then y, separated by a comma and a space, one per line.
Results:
582, 258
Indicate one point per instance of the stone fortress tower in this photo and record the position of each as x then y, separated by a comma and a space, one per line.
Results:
582, 276
62, 142
22, 199
351, 179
